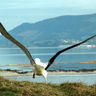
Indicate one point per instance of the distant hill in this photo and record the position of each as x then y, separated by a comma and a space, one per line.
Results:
54, 31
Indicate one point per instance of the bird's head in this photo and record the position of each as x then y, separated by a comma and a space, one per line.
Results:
37, 60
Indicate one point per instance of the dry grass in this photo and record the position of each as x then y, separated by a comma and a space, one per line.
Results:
16, 88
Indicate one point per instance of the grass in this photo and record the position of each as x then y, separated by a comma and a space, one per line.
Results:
17, 88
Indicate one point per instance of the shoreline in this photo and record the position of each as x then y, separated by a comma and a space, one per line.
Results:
14, 73
25, 65
8, 72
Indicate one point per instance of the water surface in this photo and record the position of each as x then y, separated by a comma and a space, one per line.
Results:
78, 54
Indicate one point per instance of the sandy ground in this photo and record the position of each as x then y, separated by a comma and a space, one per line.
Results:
13, 73
10, 73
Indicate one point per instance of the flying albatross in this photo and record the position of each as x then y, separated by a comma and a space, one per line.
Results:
39, 69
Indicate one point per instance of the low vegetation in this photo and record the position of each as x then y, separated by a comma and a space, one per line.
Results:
17, 88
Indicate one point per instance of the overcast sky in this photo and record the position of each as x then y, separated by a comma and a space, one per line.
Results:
16, 12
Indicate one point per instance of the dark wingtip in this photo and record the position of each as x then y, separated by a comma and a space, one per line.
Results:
65, 49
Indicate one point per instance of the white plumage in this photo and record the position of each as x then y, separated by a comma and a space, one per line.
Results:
38, 62
39, 69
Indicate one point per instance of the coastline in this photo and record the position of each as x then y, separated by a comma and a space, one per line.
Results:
8, 72
82, 62
14, 73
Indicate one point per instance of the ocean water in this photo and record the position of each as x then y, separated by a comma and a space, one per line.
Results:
88, 79
78, 54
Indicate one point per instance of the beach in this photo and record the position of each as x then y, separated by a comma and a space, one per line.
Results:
88, 78
8, 72
13, 73
54, 76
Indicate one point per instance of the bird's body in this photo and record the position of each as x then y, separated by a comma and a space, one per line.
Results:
39, 67
40, 71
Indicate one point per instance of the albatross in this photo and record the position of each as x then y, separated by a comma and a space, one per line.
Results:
39, 67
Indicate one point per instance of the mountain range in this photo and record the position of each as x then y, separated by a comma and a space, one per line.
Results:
56, 31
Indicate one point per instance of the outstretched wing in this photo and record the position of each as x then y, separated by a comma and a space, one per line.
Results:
59, 52
8, 36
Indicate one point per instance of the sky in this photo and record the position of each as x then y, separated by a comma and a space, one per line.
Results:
16, 12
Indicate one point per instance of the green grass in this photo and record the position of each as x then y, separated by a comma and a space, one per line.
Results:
16, 88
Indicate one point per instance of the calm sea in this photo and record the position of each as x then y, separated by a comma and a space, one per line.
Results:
78, 54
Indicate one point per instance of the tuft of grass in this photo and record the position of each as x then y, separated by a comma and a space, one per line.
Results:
17, 88
78, 89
